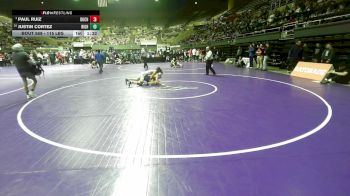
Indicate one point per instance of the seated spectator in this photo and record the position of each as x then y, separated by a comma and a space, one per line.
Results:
240, 62
341, 76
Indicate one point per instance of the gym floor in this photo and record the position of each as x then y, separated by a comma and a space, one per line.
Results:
243, 132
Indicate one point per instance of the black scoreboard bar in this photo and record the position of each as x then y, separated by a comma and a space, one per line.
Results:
56, 23
50, 19
53, 26
55, 12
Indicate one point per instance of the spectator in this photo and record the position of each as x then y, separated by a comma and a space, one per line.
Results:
342, 75
198, 54
240, 62
238, 53
2, 59
268, 52
52, 58
316, 57
260, 56
194, 52
328, 54
306, 53
190, 54
294, 56
60, 58
251, 51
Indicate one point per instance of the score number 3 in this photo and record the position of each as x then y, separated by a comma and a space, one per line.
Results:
94, 19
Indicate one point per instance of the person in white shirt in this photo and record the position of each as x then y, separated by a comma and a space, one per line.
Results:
209, 61
194, 54
197, 54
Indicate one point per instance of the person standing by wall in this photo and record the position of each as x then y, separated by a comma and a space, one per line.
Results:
328, 54
60, 57
260, 56
194, 52
294, 56
52, 57
267, 56
198, 54
209, 61
316, 57
251, 51
190, 55
2, 59
24, 68
306, 53
238, 54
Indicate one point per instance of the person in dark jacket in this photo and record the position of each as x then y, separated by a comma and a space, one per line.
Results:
294, 56
316, 57
20, 60
52, 57
340, 75
268, 52
328, 55
251, 51
307, 53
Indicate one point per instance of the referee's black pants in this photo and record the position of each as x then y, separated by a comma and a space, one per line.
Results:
208, 67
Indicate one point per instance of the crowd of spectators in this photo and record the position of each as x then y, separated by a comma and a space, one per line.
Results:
124, 35
260, 55
229, 25
171, 32
146, 33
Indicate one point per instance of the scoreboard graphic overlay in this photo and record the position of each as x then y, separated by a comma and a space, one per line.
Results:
55, 23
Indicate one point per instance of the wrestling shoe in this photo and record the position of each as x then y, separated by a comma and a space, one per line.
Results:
31, 94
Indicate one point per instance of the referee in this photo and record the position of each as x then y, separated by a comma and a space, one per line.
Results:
209, 61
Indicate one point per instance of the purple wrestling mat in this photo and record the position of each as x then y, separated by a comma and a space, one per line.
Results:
243, 132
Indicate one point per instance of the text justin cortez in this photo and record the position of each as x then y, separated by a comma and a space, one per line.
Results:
34, 26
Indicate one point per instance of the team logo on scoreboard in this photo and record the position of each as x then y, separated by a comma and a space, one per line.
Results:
94, 26
94, 19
